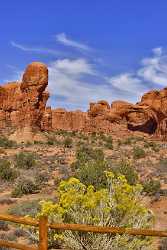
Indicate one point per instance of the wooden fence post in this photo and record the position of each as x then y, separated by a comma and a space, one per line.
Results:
43, 233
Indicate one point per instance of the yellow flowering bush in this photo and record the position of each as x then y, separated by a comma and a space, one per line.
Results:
119, 204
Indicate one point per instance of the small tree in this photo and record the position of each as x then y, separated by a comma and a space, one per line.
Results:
117, 205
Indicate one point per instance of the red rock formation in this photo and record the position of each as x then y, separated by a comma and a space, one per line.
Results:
22, 104
23, 110
68, 120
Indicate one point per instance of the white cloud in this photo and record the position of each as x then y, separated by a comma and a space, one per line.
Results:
157, 51
67, 80
154, 69
73, 83
127, 82
36, 50
74, 67
62, 38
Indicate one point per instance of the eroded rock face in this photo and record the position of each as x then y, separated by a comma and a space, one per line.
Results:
23, 111
22, 104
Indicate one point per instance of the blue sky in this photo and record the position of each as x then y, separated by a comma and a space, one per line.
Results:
110, 49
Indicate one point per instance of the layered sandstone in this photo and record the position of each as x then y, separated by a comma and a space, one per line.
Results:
23, 111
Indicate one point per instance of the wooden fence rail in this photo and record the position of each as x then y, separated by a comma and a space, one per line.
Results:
43, 226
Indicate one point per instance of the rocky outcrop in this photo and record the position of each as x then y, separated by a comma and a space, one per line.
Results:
23, 111
22, 104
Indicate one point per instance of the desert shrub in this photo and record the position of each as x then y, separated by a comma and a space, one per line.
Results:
24, 187
19, 232
64, 172
152, 187
38, 142
138, 153
162, 166
130, 140
65, 133
8, 237
93, 173
151, 145
7, 173
4, 142
108, 142
50, 141
119, 204
41, 179
127, 141
67, 142
126, 169
85, 154
30, 208
53, 141
25, 160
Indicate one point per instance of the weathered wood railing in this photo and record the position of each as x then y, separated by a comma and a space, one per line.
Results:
43, 226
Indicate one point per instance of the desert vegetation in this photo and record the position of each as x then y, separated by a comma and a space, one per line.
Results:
84, 178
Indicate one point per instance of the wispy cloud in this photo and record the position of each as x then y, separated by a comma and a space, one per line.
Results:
36, 50
127, 82
73, 83
69, 80
153, 71
63, 39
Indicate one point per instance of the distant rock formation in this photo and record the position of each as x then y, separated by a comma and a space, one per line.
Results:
23, 111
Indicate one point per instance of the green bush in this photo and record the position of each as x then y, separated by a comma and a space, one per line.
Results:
41, 179
93, 173
67, 142
130, 140
7, 173
85, 154
128, 171
25, 160
109, 142
53, 141
50, 142
4, 142
25, 187
152, 145
162, 166
151, 187
138, 153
